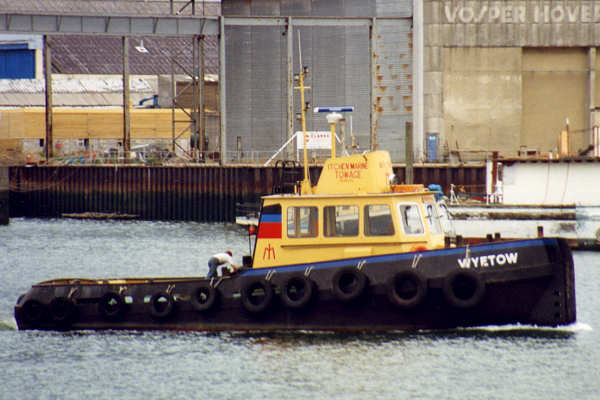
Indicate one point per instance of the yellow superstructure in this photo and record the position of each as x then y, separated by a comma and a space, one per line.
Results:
353, 212
356, 174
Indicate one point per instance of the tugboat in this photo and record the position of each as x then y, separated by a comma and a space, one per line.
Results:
353, 253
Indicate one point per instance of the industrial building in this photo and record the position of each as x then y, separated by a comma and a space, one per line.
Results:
446, 80
510, 75
358, 54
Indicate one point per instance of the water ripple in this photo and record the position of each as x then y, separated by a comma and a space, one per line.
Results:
495, 362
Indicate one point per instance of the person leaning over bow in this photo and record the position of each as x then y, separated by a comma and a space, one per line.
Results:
218, 260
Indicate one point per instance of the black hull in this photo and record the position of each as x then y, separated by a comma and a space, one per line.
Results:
527, 282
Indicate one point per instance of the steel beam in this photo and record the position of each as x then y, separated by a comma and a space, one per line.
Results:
591, 91
108, 25
126, 105
418, 115
222, 94
48, 145
201, 97
374, 114
298, 21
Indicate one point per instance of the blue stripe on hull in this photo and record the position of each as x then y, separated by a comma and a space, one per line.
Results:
460, 251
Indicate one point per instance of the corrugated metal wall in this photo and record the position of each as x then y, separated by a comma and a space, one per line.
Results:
256, 88
340, 71
393, 84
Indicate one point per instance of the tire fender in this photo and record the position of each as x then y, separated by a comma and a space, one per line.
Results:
297, 291
407, 289
161, 304
62, 309
256, 295
112, 306
463, 288
204, 297
348, 284
34, 311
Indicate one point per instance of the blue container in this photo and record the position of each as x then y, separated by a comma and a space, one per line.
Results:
437, 189
16, 62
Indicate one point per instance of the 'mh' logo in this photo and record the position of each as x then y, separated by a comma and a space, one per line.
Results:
268, 252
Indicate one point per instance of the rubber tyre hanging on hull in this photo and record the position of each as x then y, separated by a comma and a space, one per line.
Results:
112, 306
407, 289
161, 305
463, 289
33, 312
297, 291
62, 310
348, 284
204, 297
256, 295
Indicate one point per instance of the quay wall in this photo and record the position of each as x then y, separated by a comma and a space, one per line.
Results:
186, 193
4, 196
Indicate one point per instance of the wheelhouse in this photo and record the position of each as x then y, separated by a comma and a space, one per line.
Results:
313, 228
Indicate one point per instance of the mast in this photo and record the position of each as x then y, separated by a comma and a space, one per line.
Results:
333, 119
305, 186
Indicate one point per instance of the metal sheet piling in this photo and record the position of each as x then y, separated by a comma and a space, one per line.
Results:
183, 193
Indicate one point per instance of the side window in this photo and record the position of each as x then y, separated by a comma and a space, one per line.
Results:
432, 218
302, 222
378, 220
411, 219
340, 221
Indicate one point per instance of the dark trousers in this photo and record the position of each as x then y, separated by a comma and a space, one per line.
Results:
213, 263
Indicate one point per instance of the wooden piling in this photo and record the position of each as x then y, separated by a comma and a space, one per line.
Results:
4, 196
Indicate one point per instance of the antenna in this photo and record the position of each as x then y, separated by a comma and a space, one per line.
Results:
333, 117
300, 49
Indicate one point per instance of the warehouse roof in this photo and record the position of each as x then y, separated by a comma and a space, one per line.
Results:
83, 54
110, 7
94, 54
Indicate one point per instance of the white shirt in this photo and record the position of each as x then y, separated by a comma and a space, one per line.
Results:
223, 258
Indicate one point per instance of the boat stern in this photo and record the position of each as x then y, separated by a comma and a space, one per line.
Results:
556, 305
561, 296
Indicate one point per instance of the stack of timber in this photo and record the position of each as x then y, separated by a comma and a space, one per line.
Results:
83, 123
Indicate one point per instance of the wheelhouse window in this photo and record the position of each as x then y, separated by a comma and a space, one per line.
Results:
433, 219
340, 221
302, 222
378, 220
410, 215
